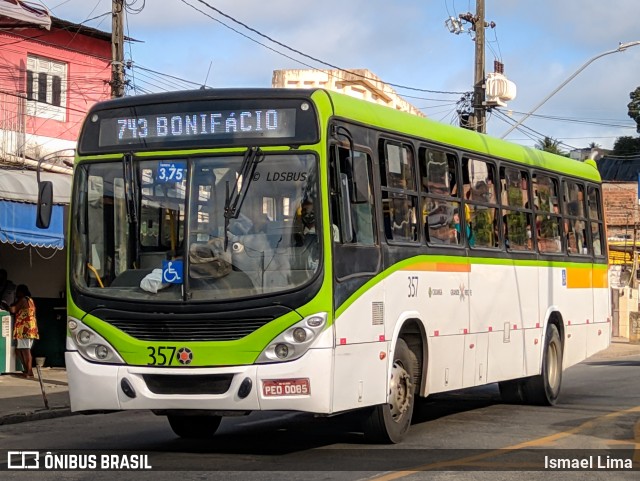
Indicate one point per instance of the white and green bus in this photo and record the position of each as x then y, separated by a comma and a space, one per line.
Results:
234, 251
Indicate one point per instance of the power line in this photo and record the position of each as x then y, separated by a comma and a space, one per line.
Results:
522, 129
579, 121
164, 74
310, 57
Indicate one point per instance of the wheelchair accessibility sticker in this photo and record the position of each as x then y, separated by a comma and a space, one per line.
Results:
172, 272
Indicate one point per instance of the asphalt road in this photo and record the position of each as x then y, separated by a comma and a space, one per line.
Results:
460, 435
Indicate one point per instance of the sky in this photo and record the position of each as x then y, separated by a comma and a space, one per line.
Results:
540, 42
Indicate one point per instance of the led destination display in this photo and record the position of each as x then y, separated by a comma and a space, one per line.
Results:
194, 126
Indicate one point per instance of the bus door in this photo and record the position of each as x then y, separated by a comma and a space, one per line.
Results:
356, 251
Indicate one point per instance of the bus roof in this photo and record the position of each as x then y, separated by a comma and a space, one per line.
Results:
402, 122
382, 117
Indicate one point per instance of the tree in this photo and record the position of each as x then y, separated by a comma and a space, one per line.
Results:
634, 107
626, 146
549, 144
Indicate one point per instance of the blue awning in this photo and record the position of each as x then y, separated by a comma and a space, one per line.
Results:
18, 225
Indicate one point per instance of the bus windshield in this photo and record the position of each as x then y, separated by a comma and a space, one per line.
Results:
170, 214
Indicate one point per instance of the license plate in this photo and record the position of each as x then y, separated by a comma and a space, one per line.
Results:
286, 387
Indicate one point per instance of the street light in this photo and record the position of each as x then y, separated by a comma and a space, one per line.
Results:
621, 48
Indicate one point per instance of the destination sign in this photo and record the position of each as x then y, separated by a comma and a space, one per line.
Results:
271, 123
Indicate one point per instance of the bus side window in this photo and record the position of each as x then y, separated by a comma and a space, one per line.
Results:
595, 218
439, 197
516, 209
575, 218
481, 208
399, 192
546, 200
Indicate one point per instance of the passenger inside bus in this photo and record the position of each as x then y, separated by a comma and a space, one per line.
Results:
306, 236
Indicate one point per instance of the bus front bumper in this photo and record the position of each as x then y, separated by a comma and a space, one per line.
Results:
278, 386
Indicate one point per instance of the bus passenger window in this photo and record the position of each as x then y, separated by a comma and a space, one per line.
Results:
399, 193
440, 211
546, 200
516, 216
400, 218
442, 221
597, 228
548, 234
483, 226
575, 218
480, 207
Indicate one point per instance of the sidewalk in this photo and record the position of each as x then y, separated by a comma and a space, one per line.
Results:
21, 399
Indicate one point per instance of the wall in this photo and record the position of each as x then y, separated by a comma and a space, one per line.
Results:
42, 270
621, 207
88, 73
628, 304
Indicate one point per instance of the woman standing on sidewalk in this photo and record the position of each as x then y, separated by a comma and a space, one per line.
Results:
25, 330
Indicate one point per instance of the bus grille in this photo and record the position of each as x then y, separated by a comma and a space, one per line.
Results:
198, 384
189, 329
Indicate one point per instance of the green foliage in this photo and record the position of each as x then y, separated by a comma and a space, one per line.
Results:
634, 107
626, 146
549, 144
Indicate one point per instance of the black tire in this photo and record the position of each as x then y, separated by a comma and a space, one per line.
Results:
389, 423
194, 427
544, 389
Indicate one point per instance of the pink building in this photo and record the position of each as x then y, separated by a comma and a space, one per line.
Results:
48, 80
51, 72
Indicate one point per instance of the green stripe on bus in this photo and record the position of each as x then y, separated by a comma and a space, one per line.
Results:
407, 263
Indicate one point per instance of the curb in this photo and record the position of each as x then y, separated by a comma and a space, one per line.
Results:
16, 418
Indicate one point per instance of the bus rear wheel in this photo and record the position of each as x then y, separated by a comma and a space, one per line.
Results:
194, 427
389, 423
544, 388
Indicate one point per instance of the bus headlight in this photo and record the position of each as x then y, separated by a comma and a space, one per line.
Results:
295, 341
91, 345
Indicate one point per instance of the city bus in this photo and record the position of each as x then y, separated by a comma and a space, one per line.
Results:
241, 250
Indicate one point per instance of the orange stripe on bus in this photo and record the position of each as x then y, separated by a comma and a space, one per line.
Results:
586, 278
578, 278
600, 278
438, 267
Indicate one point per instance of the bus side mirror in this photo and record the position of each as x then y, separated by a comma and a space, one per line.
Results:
45, 204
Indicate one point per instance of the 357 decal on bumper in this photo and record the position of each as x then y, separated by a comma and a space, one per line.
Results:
167, 355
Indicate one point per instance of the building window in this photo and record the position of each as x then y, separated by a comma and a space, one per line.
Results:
46, 88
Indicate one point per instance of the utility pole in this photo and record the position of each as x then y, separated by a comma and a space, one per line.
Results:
480, 112
117, 48
477, 121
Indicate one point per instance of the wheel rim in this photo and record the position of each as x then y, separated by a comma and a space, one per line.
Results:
553, 369
399, 391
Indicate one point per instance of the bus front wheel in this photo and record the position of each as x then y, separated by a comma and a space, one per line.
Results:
389, 423
194, 427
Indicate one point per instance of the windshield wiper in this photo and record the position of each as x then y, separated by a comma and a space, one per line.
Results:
130, 188
131, 199
234, 199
